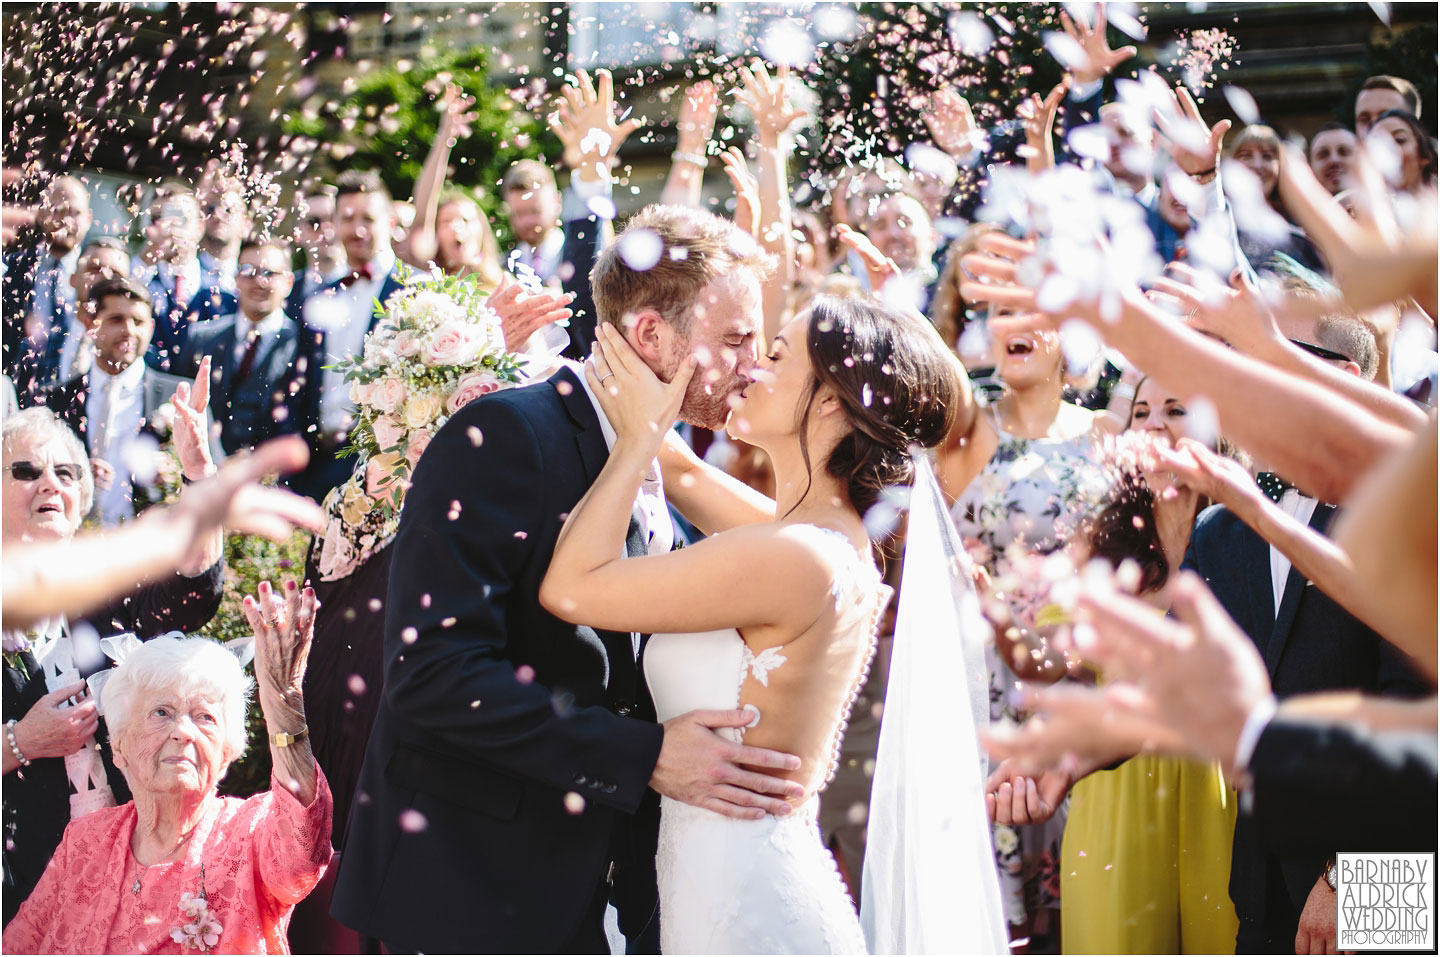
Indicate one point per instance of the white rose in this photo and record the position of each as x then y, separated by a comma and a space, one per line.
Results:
421, 409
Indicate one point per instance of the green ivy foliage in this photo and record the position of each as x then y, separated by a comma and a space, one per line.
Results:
388, 121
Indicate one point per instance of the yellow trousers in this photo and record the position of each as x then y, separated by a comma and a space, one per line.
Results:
1145, 865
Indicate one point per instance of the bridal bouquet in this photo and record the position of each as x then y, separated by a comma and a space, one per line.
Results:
437, 347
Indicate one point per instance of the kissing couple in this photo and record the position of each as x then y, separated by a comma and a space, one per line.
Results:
575, 715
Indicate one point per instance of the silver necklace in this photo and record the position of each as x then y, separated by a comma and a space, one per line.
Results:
135, 887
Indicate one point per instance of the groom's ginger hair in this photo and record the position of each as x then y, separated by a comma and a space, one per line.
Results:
696, 247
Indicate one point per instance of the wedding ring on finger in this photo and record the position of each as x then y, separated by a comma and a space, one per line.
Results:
608, 375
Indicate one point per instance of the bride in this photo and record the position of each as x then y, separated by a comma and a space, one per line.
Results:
775, 612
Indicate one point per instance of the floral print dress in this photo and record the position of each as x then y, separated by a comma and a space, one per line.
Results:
1025, 501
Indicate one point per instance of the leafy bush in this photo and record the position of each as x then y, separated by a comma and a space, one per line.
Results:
388, 121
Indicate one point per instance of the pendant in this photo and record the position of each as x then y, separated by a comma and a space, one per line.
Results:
135, 887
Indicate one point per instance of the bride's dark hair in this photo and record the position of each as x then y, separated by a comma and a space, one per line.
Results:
898, 383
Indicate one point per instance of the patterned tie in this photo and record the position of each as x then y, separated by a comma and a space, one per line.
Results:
1272, 485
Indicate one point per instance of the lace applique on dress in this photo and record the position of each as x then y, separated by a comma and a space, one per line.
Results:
762, 664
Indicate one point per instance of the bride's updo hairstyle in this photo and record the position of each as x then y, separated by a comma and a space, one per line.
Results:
897, 381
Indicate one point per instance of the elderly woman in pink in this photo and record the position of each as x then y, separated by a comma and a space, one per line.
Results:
180, 869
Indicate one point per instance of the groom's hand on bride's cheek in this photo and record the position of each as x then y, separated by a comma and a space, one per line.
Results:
699, 767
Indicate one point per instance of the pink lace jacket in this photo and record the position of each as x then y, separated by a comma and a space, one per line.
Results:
261, 856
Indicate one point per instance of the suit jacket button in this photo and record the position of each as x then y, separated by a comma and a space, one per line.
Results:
623, 710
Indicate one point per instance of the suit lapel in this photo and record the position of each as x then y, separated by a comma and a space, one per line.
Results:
1295, 585
1254, 559
222, 356
590, 442
590, 439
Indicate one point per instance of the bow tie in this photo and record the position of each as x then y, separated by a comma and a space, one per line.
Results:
364, 272
1272, 485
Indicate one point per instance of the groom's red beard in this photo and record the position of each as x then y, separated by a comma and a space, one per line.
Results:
707, 404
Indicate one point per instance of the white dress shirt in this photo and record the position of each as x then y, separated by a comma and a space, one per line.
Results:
343, 315
544, 259
1302, 509
114, 412
267, 328
650, 508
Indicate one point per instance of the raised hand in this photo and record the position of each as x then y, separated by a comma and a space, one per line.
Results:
1195, 147
952, 124
698, 112
637, 403
522, 312
747, 191
1208, 473
1039, 118
1100, 59
879, 268
1201, 673
1374, 261
1240, 316
586, 124
767, 99
457, 113
234, 499
284, 629
192, 444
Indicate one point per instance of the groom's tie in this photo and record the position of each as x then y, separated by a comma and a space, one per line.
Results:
635, 547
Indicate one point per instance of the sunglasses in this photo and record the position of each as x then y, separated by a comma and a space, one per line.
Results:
66, 473
248, 271
1321, 351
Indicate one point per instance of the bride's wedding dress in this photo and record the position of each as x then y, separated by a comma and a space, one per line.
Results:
767, 886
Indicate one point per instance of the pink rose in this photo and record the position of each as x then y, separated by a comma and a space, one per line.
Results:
418, 443
388, 433
471, 387
380, 475
453, 344
406, 344
387, 394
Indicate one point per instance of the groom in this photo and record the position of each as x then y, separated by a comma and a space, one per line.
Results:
509, 789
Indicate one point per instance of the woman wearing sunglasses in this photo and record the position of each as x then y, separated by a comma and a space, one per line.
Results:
53, 736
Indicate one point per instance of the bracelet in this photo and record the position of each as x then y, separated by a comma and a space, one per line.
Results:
1204, 172
695, 159
284, 739
14, 746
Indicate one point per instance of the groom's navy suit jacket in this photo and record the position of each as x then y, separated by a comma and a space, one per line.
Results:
1309, 644
496, 714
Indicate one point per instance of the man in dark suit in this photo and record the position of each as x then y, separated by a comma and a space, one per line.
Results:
512, 772
339, 317
110, 406
261, 379
171, 272
1308, 642
39, 295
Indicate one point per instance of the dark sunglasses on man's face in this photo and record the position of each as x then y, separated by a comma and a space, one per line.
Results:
1321, 351
67, 473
